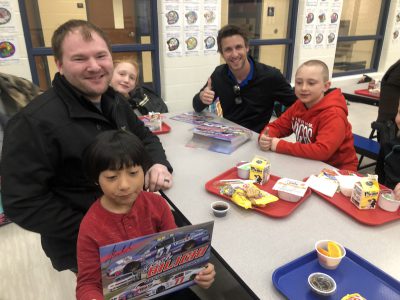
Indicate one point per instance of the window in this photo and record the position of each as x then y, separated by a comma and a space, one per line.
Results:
360, 38
131, 26
270, 31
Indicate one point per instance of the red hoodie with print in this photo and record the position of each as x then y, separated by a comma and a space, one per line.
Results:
322, 132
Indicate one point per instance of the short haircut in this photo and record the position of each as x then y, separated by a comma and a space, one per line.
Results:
230, 30
114, 150
85, 28
317, 62
133, 63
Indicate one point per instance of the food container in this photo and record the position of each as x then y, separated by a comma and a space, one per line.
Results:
346, 184
288, 196
387, 201
243, 170
322, 284
290, 190
220, 208
326, 261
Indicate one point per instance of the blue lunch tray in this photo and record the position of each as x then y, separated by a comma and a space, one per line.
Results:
354, 275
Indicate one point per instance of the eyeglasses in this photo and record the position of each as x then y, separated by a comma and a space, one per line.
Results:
236, 91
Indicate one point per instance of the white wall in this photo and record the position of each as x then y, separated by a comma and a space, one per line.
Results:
20, 68
182, 77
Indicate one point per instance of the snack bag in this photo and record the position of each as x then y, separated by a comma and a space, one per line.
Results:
248, 195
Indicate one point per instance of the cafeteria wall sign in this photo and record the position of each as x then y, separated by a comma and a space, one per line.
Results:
191, 26
6, 17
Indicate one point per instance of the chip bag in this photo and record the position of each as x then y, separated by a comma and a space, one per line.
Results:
248, 195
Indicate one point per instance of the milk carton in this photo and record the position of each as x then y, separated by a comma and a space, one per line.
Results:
260, 169
154, 122
365, 193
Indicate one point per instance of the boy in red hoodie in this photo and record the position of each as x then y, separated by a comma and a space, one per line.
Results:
319, 121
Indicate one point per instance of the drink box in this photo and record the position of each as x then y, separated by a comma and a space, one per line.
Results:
365, 193
260, 169
155, 121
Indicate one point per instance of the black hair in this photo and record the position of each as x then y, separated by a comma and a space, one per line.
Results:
230, 30
114, 150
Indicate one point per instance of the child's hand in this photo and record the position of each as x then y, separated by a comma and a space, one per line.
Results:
206, 276
274, 143
397, 191
265, 141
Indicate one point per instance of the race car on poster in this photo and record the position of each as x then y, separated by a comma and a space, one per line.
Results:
175, 280
168, 245
123, 280
136, 291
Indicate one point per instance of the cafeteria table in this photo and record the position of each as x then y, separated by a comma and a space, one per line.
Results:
252, 245
359, 93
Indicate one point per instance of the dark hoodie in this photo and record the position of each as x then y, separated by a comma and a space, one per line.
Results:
322, 132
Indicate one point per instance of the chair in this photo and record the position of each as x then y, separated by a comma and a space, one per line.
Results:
370, 147
366, 147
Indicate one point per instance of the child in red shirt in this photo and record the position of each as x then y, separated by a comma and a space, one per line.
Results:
117, 161
319, 121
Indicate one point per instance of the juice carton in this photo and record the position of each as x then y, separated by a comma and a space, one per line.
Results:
365, 193
260, 169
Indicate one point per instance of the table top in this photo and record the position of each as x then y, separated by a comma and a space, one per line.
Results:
254, 245
350, 93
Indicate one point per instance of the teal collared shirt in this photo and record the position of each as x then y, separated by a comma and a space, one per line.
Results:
249, 76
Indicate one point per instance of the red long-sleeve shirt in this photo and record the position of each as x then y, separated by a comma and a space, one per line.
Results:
322, 132
149, 214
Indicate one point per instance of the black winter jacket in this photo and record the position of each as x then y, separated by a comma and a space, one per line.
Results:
267, 86
44, 188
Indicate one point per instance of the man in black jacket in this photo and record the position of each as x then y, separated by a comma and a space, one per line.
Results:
246, 89
43, 185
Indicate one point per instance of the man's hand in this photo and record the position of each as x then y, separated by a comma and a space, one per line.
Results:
265, 141
157, 178
207, 95
206, 276
397, 191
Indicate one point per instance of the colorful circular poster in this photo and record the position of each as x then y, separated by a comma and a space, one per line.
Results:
7, 49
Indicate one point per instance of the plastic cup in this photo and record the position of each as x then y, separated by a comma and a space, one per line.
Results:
387, 201
243, 169
220, 208
325, 261
322, 284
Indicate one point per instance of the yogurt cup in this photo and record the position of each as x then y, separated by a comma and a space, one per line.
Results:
243, 170
387, 201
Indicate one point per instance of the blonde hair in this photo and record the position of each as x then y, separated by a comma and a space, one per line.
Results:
133, 63
317, 62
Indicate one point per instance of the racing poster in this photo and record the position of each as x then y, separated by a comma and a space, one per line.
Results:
155, 265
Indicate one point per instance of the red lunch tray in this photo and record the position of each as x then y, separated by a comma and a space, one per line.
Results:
165, 128
278, 209
365, 92
372, 217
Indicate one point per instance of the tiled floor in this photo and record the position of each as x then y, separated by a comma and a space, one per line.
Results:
26, 273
